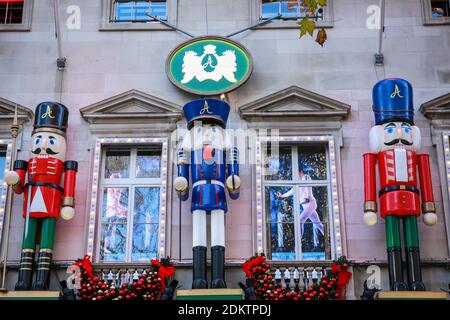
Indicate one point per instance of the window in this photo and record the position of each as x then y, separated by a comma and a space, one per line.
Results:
15, 15
440, 8
129, 15
287, 9
131, 203
136, 11
290, 11
296, 200
436, 11
11, 12
5, 162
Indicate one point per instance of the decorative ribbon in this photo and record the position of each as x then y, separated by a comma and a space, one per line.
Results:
248, 265
343, 278
86, 265
164, 272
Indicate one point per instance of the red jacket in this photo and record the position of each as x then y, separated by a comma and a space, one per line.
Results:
44, 176
398, 192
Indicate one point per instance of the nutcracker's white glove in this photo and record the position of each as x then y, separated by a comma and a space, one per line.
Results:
370, 218
67, 213
181, 184
233, 185
11, 178
430, 218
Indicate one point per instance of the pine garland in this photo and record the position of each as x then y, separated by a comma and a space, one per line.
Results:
330, 287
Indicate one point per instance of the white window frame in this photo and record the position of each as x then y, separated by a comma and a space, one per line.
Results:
291, 23
446, 151
5, 189
95, 207
428, 19
107, 25
26, 19
333, 206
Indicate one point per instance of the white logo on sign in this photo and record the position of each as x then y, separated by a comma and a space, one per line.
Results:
209, 66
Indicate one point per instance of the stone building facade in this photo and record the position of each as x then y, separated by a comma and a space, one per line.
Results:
117, 91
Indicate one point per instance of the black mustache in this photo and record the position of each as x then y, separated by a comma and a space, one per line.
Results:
395, 141
48, 151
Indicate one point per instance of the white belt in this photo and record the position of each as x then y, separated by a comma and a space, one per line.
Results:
201, 182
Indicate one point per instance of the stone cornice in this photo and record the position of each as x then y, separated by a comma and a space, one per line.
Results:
294, 104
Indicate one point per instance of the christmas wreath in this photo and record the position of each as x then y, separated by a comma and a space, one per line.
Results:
149, 285
331, 287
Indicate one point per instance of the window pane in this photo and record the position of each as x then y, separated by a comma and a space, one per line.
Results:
145, 223
278, 167
2, 162
289, 9
159, 9
270, 8
312, 162
117, 164
113, 242
282, 241
130, 11
280, 222
11, 12
145, 241
148, 163
146, 205
115, 205
440, 8
313, 221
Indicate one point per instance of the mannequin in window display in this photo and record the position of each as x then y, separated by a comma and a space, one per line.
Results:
308, 206
395, 142
213, 164
44, 198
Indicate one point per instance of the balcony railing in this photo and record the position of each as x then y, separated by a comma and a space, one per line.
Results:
292, 275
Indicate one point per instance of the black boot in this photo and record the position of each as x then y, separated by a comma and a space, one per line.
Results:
199, 268
43, 270
218, 267
25, 270
414, 270
396, 269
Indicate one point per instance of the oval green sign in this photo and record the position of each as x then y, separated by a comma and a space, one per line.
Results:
209, 65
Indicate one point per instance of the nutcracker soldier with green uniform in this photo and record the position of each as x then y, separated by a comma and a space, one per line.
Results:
45, 200
395, 142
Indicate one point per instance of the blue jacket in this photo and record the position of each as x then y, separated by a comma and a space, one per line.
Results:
209, 170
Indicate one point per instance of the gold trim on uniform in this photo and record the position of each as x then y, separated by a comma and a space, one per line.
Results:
428, 207
27, 250
68, 202
25, 268
370, 206
46, 250
43, 268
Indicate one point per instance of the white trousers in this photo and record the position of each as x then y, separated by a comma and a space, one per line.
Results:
217, 228
309, 213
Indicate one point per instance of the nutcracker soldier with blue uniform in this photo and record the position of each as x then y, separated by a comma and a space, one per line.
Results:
48, 184
206, 151
395, 142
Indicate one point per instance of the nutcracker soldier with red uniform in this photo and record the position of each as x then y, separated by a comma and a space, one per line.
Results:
45, 200
395, 142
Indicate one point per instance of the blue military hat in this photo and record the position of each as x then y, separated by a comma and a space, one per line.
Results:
208, 111
393, 101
